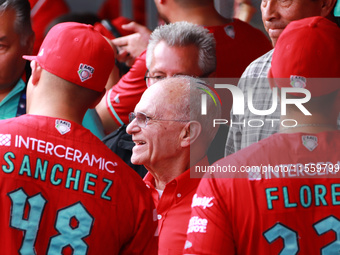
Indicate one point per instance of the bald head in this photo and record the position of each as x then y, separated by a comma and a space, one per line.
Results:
179, 98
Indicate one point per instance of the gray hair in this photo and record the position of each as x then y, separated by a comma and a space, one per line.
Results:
188, 102
22, 23
181, 34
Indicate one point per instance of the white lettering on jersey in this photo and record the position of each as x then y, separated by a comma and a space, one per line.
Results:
197, 225
202, 201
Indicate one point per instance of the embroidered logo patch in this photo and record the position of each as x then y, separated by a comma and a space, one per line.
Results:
298, 81
41, 53
85, 72
5, 140
116, 99
62, 126
310, 142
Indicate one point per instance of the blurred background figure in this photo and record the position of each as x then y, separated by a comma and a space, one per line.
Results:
42, 13
16, 39
111, 9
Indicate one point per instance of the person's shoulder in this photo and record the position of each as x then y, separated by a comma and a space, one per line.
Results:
126, 175
21, 120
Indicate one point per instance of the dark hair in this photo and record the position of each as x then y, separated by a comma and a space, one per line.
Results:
22, 9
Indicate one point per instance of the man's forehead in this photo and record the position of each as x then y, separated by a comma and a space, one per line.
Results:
175, 60
151, 100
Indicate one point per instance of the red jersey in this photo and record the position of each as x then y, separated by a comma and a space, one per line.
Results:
62, 191
43, 12
237, 45
122, 98
289, 205
174, 210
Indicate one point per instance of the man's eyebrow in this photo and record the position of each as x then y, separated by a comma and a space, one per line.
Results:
157, 71
3, 38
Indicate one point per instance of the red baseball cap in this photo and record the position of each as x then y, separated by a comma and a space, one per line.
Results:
308, 54
77, 53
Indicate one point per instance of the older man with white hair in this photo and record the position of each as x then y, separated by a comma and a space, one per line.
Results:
171, 136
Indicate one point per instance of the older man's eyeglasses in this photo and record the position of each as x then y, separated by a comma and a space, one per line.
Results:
152, 79
142, 119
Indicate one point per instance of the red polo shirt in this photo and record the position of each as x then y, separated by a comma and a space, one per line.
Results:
174, 209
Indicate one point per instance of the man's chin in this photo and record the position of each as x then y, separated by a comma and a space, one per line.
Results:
136, 160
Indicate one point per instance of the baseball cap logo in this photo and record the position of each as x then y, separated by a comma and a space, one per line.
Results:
297, 81
85, 72
63, 126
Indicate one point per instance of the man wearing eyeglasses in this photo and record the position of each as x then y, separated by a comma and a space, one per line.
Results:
173, 49
171, 136
237, 45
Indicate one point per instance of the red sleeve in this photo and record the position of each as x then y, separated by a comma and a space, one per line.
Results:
123, 97
208, 231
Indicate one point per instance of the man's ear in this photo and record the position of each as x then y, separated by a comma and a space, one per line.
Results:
36, 72
327, 7
190, 133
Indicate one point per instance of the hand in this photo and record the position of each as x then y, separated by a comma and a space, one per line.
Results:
114, 75
131, 46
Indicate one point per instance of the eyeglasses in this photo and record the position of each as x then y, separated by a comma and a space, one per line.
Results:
142, 119
152, 79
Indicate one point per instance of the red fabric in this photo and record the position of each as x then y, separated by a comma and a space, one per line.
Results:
105, 208
235, 54
43, 15
123, 97
251, 215
301, 46
174, 208
111, 10
117, 23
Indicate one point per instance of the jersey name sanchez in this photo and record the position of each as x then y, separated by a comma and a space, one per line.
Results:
62, 191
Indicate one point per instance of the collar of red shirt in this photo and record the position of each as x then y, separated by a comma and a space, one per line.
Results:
184, 184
